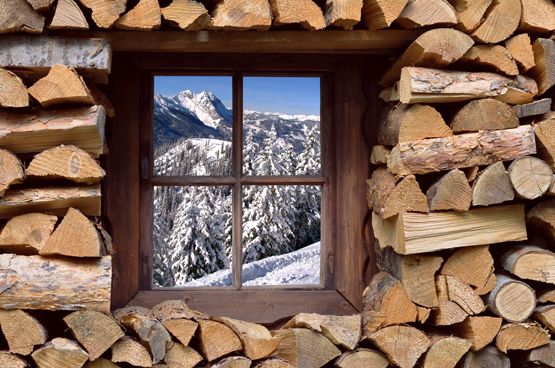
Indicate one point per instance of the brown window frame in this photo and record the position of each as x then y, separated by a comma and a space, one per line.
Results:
348, 100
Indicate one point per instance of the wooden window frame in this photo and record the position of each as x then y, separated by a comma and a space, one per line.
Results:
349, 100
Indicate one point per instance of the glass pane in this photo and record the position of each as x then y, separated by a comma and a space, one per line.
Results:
192, 125
191, 236
281, 235
281, 126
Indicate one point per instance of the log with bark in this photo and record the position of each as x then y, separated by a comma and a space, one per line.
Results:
530, 177
304, 348
489, 357
238, 15
306, 13
544, 70
61, 86
145, 16
403, 345
68, 15
491, 57
362, 358
538, 107
511, 299
379, 14
60, 353
27, 234
481, 272
427, 13
13, 92
520, 47
217, 340
344, 14
19, 16
470, 13
485, 114
529, 262
105, 12
412, 233
492, 186
257, 340
480, 331
450, 192
542, 216
500, 22
129, 350
11, 171
545, 137
188, 15
538, 16
521, 336
445, 352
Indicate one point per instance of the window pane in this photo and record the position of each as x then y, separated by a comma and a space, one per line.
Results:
191, 235
192, 125
281, 235
281, 126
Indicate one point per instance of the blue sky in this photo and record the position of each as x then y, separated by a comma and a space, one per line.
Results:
267, 94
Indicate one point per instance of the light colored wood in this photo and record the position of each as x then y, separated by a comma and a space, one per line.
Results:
390, 94
105, 12
521, 336
470, 13
543, 355
237, 15
379, 14
362, 358
530, 177
188, 15
492, 57
100, 363
462, 294
488, 287
450, 192
12, 360
472, 265
479, 330
41, 6
128, 350
538, 16
545, 137
68, 15
538, 107
423, 314
55, 284
405, 123
344, 14
520, 47
304, 348
60, 353
19, 16
61, 86
303, 12
95, 331
22, 331
492, 186
489, 357
546, 296
41, 130
446, 353
413, 233
66, 162
544, 70
233, 362
545, 314
257, 340
13, 92
422, 85
182, 329
426, 13
180, 356
403, 345
447, 312
511, 299
145, 16
461, 151
51, 200
543, 216
27, 234
379, 155
175, 309
436, 48
500, 22
217, 340
11, 171
551, 190
486, 114
530, 263
273, 363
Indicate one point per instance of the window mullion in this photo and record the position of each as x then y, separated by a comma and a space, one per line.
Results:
237, 265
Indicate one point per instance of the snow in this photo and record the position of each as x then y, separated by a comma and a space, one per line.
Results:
301, 267
205, 106
299, 117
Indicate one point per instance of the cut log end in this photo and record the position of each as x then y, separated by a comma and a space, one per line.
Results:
11, 171
511, 299
530, 177
521, 336
13, 92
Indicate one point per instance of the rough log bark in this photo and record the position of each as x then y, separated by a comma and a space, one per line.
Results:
500, 22
128, 350
539, 107
426, 13
105, 12
238, 15
11, 171
60, 353
412, 233
403, 345
530, 177
362, 358
257, 340
450, 192
521, 336
13, 92
491, 57
489, 357
479, 330
145, 16
448, 312
543, 216
27, 234
538, 16
492, 186
182, 329
379, 14
217, 340
344, 14
470, 13
422, 85
22, 331
543, 355
68, 15
544, 71
530, 263
545, 137
19, 16
304, 348
379, 155
61, 86
181, 356
481, 262
511, 299
486, 114
446, 353
51, 200
303, 12
520, 47
188, 15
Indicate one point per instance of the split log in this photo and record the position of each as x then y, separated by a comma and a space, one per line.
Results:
379, 14
460, 151
511, 299
304, 348
546, 315
61, 86
546, 296
27, 234
273, 363
19, 16
66, 162
238, 15
436, 48
105, 12
545, 137
543, 355
100, 363
68, 15
462, 294
543, 217
55, 284
521, 336
22, 331
11, 171
303, 12
413, 233
479, 257
403, 345
530, 263
422, 85
257, 340
388, 199
486, 114
406, 123
188, 15
470, 13
344, 14
490, 357
41, 6
362, 358
479, 330
551, 190
145, 16
95, 331
426, 13
379, 155
530, 177
501, 20
492, 186
538, 16
447, 312
493, 57
544, 70
446, 353
12, 361
182, 329
471, 173
60, 353
520, 47
13, 92
181, 356
51, 200
450, 192
128, 350
488, 287
423, 314
217, 340
174, 309
233, 362
538, 107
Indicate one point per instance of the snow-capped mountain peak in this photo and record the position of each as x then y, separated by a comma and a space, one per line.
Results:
205, 106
